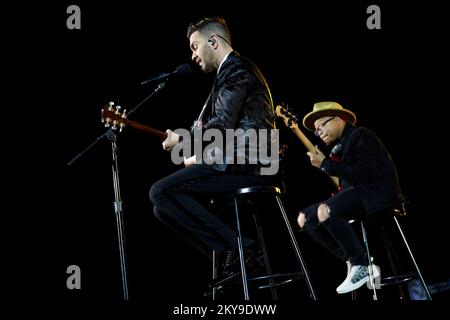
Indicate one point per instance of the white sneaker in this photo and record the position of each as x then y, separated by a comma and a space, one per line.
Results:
349, 265
356, 278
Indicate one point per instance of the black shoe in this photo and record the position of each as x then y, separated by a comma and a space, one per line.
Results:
232, 267
254, 256
230, 261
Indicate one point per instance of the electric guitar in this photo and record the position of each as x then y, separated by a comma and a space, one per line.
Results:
112, 117
292, 122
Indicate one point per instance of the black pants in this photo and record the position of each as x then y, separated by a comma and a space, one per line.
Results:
335, 233
176, 203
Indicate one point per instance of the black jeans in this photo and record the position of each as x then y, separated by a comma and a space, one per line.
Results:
335, 233
176, 203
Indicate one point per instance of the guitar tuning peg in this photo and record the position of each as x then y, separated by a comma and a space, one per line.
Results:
107, 125
118, 109
114, 126
110, 105
122, 124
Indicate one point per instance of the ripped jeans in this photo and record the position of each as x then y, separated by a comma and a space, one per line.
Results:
335, 233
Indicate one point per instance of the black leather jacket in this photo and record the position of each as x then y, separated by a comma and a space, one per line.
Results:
364, 162
240, 99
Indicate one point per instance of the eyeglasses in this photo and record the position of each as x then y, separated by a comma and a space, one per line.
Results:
321, 126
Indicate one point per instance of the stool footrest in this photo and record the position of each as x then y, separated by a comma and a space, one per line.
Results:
278, 279
396, 279
275, 280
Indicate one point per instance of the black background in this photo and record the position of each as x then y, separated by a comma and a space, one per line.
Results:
393, 79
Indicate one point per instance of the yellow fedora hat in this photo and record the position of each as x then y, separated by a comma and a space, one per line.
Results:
327, 108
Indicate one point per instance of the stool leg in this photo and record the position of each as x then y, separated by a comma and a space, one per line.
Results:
262, 243
296, 249
241, 251
394, 260
425, 287
214, 272
370, 265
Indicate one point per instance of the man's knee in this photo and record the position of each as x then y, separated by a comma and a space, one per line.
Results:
323, 212
301, 219
155, 193
159, 214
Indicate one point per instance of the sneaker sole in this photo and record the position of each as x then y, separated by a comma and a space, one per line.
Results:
354, 286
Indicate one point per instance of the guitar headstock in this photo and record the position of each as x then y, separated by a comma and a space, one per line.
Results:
289, 119
112, 117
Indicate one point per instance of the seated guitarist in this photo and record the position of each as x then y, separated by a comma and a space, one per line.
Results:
368, 183
240, 99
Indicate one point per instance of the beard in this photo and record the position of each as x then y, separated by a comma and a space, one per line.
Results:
208, 62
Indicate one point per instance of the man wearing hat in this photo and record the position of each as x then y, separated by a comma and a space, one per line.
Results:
368, 184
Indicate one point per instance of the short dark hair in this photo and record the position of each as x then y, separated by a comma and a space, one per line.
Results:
210, 25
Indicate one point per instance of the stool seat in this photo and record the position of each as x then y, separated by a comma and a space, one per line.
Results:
257, 189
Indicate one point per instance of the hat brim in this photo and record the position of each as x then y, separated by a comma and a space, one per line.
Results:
310, 118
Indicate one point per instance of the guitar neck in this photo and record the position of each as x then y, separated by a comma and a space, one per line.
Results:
308, 145
288, 120
311, 148
154, 132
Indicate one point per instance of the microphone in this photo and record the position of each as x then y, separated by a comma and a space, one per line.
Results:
180, 70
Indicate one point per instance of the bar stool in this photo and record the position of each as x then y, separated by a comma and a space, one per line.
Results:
393, 258
273, 279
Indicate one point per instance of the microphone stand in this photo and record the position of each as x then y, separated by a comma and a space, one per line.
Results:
118, 204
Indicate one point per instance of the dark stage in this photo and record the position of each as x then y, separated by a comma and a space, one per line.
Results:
308, 53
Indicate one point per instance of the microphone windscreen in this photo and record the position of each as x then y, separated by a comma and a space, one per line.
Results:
183, 69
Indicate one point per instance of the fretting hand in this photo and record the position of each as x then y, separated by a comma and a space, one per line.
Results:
171, 141
316, 157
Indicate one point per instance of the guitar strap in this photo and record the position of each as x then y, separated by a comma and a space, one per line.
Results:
198, 124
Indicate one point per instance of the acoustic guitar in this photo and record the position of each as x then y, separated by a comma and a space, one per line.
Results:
112, 117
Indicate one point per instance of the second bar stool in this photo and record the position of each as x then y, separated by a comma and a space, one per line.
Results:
273, 279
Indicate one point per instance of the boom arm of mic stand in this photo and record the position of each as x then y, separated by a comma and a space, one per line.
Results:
110, 131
